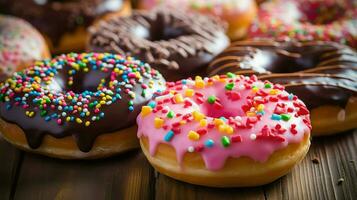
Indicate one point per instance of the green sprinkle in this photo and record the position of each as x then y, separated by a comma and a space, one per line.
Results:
285, 117
268, 85
225, 141
211, 99
231, 75
170, 114
230, 86
43, 113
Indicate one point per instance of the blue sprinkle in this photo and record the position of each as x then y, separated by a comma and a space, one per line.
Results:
224, 119
101, 114
83, 114
152, 104
276, 117
8, 106
47, 118
209, 143
291, 96
169, 135
261, 112
131, 108
184, 82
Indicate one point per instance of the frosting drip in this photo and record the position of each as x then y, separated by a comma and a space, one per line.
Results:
79, 95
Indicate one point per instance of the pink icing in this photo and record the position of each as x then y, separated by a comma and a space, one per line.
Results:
270, 136
326, 20
215, 7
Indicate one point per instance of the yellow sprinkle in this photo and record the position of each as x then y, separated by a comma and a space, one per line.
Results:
178, 98
78, 120
216, 77
218, 122
203, 122
260, 107
189, 92
182, 122
222, 128
274, 92
87, 123
197, 116
250, 114
146, 110
102, 102
255, 89
199, 84
192, 135
68, 119
229, 130
98, 105
158, 122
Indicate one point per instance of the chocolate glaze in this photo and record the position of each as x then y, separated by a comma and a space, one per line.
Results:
176, 43
57, 17
320, 73
117, 115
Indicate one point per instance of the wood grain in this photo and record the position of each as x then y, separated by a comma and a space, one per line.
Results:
122, 177
129, 176
10, 159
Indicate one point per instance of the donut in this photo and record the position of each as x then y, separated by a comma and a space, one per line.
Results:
64, 23
176, 43
323, 74
20, 45
77, 106
214, 131
239, 14
324, 20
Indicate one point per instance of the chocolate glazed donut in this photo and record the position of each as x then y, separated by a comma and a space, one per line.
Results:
56, 18
83, 96
178, 44
322, 74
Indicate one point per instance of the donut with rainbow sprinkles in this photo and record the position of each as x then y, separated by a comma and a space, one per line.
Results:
224, 131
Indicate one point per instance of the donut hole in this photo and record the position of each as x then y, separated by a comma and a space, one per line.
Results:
227, 109
289, 60
210, 111
321, 12
81, 81
161, 29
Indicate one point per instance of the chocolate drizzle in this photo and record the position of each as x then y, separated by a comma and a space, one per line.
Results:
177, 43
320, 73
55, 18
22, 97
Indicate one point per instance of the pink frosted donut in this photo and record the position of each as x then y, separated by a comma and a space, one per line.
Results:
214, 131
326, 20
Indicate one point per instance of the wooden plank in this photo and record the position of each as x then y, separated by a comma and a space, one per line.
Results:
168, 188
126, 176
335, 158
9, 163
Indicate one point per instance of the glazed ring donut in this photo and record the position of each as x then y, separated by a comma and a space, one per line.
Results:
176, 43
77, 105
322, 74
64, 23
20, 45
239, 14
325, 20
224, 131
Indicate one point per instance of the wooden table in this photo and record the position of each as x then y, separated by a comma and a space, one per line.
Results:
328, 172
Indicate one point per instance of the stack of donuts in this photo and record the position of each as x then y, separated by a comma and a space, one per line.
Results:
209, 91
